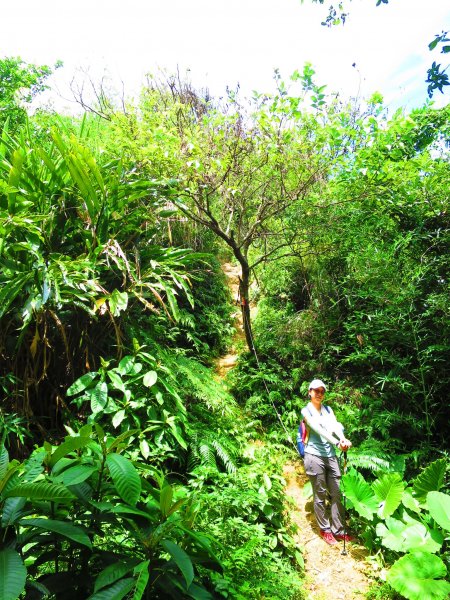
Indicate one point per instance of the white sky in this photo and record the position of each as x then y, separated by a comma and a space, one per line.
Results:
225, 42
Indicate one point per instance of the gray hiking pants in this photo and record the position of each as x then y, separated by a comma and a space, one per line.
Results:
324, 474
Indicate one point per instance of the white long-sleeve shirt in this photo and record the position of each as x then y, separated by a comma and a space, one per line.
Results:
325, 432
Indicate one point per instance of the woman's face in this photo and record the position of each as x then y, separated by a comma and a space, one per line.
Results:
317, 394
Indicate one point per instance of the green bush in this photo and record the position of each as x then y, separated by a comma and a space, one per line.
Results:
245, 513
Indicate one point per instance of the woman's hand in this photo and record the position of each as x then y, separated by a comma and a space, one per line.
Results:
344, 445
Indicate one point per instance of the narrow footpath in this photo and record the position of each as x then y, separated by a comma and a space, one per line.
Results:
329, 574
227, 362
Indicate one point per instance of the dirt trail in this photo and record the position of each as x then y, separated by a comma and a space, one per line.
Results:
329, 575
227, 362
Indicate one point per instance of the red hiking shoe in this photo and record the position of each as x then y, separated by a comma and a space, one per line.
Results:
328, 537
340, 537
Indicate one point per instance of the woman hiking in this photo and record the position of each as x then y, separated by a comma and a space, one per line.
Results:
321, 464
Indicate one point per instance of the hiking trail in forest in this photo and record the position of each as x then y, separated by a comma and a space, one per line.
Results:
227, 362
328, 574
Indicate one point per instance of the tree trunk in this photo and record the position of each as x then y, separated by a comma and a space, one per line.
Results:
244, 292
240, 253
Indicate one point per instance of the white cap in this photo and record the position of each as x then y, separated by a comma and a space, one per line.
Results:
317, 383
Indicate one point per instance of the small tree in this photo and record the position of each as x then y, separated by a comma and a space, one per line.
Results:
246, 172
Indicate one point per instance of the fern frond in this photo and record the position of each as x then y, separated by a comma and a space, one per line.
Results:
224, 457
208, 457
197, 381
375, 464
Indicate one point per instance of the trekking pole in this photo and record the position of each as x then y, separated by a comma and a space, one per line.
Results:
344, 551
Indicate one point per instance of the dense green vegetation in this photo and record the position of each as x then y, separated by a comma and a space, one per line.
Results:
127, 469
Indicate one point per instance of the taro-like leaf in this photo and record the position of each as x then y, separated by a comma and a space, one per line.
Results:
418, 576
360, 494
439, 507
431, 479
389, 490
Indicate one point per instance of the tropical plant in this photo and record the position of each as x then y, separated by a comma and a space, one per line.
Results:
76, 257
138, 393
367, 306
58, 506
410, 520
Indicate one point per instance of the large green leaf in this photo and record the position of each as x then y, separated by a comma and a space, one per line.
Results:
80, 176
431, 479
12, 575
4, 461
360, 493
417, 536
81, 384
408, 535
118, 418
40, 491
197, 592
118, 302
126, 365
10, 290
10, 479
12, 510
150, 378
116, 381
121, 438
116, 591
143, 576
98, 397
176, 432
69, 445
165, 501
389, 490
33, 466
67, 530
417, 576
409, 501
391, 533
83, 491
439, 507
75, 475
114, 572
181, 559
125, 509
125, 478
